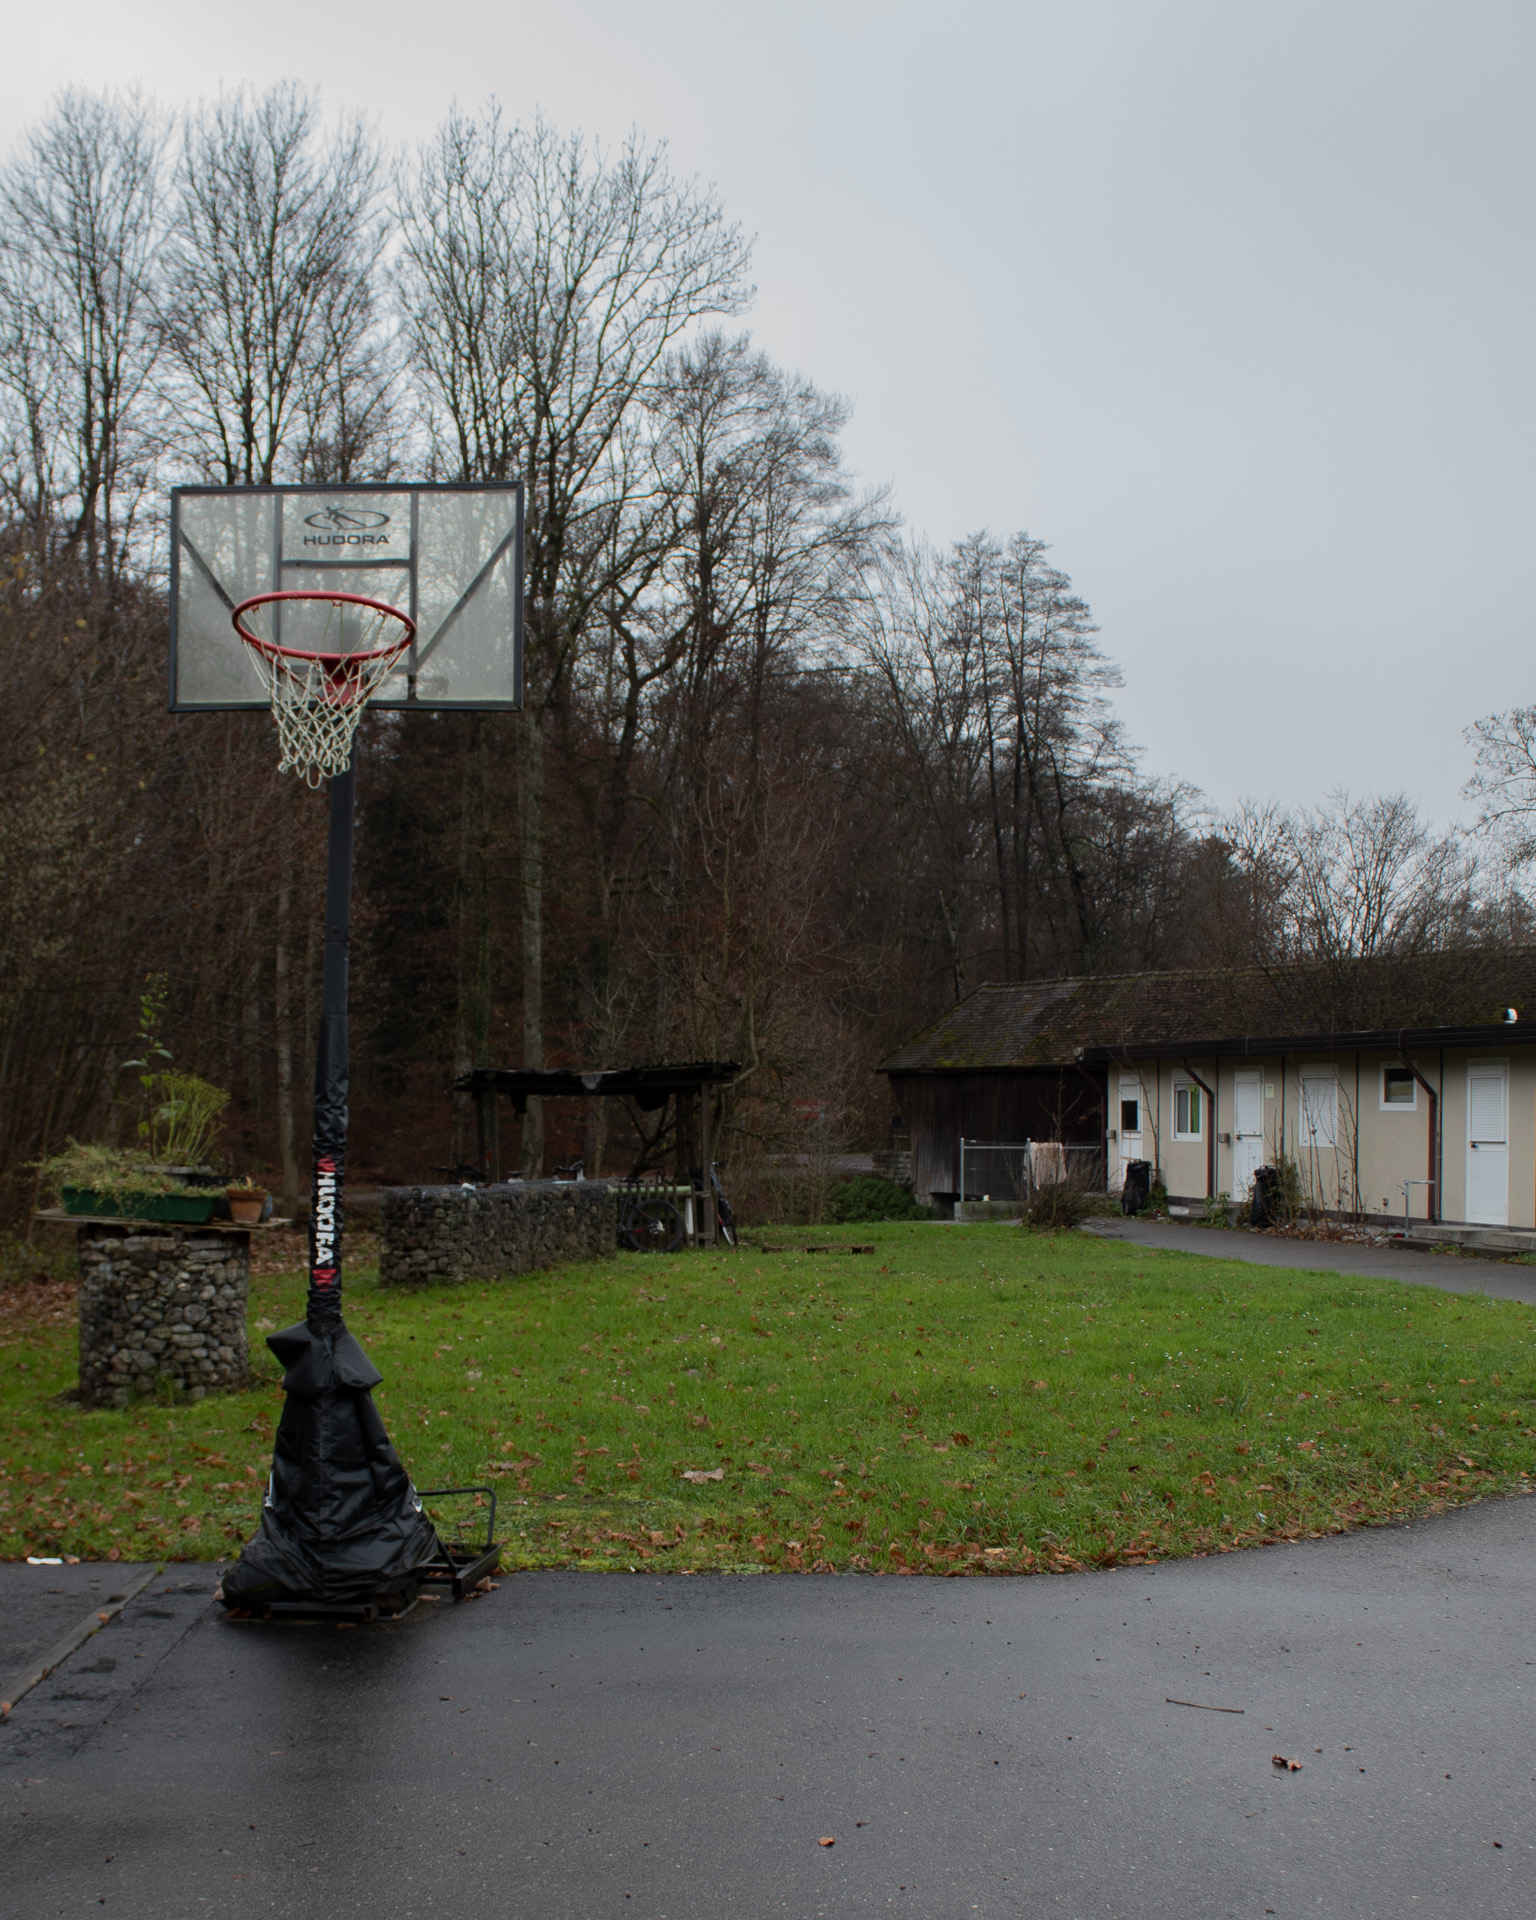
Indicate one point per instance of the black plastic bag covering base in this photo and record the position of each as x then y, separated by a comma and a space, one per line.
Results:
1266, 1191
1136, 1189
341, 1523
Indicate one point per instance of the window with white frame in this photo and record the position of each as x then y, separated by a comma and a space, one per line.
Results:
1188, 1111
1319, 1109
1399, 1090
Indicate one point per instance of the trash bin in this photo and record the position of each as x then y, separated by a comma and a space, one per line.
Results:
1137, 1188
1266, 1184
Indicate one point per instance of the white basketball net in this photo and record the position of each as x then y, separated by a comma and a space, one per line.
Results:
317, 702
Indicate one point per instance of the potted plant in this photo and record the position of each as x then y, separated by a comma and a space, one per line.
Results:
246, 1201
113, 1181
180, 1119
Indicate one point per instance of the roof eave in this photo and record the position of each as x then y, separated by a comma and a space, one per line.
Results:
1375, 1040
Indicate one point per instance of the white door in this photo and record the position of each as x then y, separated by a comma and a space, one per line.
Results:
1488, 1144
1247, 1130
1130, 1122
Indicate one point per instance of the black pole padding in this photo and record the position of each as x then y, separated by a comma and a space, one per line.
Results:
332, 1072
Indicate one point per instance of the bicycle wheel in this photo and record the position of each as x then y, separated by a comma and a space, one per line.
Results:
650, 1226
726, 1218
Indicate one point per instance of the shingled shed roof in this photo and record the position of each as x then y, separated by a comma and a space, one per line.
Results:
1045, 1023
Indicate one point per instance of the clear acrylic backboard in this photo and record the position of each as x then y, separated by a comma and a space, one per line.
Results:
450, 556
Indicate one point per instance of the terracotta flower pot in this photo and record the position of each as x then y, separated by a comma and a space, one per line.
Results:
245, 1204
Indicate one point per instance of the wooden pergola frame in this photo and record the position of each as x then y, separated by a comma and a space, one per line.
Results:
649, 1087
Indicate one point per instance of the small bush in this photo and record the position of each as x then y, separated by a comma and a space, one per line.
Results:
1217, 1210
1056, 1205
183, 1117
866, 1197
1289, 1202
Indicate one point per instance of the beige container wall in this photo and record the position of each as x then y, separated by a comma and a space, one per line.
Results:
1222, 1075
1183, 1161
1453, 1136
1326, 1171
1522, 1138
1522, 1133
1394, 1142
1386, 1146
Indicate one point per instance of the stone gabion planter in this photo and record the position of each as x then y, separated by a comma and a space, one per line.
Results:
161, 1306
435, 1235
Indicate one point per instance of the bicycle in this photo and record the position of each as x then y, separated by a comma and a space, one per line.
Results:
725, 1218
649, 1223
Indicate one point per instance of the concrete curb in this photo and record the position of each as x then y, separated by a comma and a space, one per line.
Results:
59, 1652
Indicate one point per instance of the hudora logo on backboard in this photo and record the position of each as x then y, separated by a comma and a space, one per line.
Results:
346, 527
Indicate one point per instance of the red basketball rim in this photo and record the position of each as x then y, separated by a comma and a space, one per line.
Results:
330, 660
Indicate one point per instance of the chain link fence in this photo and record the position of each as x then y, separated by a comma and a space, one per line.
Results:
1012, 1170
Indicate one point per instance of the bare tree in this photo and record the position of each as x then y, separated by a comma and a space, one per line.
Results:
925, 683
1371, 877
1348, 882
80, 230
759, 538
543, 280
269, 316
993, 692
1050, 740
1504, 748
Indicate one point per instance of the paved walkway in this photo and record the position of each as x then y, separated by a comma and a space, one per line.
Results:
1450, 1272
39, 1605
584, 1745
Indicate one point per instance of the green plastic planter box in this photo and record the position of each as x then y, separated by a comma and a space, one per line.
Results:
185, 1209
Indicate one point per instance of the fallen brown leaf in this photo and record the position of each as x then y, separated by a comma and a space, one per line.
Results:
826, 1843
1286, 1766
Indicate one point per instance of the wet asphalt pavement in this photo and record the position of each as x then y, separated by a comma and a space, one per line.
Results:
1451, 1273
586, 1744
39, 1605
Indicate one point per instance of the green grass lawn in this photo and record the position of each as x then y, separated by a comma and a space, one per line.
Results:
962, 1399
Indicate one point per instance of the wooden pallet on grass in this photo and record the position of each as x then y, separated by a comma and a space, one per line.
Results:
813, 1246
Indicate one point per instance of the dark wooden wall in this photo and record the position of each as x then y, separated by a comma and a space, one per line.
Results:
1052, 1103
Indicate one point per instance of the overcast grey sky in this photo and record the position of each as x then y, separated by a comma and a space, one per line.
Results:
1231, 303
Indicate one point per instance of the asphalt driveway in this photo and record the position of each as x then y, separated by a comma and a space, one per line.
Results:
580, 1745
1451, 1273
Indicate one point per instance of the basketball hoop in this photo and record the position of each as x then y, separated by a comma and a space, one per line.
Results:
318, 693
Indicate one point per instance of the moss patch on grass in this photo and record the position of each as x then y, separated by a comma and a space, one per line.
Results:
963, 1399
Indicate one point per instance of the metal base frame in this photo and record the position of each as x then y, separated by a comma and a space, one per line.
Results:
457, 1566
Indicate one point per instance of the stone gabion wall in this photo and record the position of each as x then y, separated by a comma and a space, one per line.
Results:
432, 1235
161, 1306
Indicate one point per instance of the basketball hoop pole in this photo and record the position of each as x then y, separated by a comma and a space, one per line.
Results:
332, 1066
341, 1524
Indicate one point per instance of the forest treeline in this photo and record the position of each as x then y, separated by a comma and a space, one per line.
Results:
786, 783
